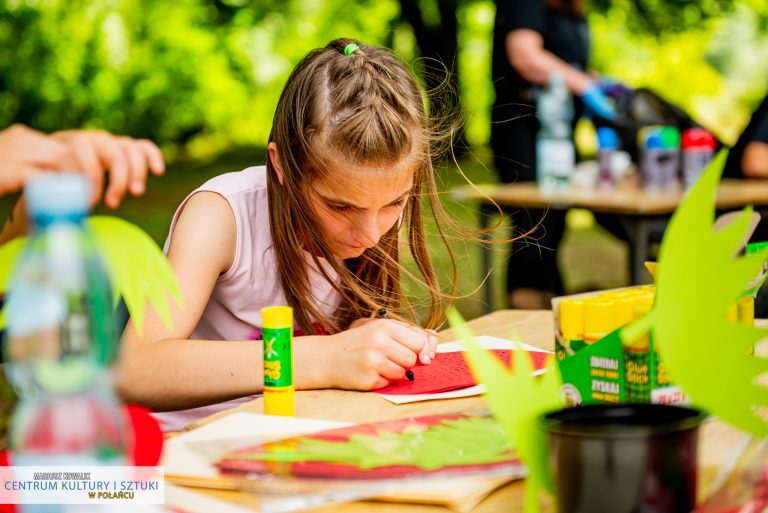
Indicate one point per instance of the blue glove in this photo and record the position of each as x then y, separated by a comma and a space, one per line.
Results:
612, 87
597, 102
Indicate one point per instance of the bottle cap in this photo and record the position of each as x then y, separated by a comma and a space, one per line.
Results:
57, 195
644, 133
698, 138
607, 138
654, 142
670, 137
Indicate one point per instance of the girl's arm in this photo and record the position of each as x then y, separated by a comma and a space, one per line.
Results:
164, 370
526, 53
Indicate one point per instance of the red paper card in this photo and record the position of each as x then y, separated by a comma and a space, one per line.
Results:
323, 469
449, 371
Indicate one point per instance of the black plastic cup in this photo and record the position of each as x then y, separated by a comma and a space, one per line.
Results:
624, 458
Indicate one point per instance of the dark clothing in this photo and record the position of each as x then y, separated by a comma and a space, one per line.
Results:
533, 262
757, 130
565, 36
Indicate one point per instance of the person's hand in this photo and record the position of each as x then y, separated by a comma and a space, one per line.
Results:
125, 160
25, 152
596, 102
375, 352
612, 87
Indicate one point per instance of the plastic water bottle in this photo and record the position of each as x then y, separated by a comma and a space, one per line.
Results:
670, 160
608, 143
555, 154
61, 338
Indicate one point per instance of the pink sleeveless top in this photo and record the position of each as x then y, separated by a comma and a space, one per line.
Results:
251, 283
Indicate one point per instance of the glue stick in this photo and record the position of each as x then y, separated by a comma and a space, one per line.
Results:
599, 319
637, 361
746, 310
623, 309
572, 323
277, 329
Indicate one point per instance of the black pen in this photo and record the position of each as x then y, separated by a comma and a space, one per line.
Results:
383, 315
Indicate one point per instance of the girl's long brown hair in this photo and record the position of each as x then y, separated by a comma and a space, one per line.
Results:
367, 109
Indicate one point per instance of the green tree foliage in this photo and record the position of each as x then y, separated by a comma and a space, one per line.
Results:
167, 70
206, 74
659, 17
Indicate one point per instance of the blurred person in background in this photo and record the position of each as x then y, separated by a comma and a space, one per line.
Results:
25, 152
749, 156
749, 159
532, 40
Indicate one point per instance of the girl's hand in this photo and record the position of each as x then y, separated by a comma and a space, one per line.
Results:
372, 353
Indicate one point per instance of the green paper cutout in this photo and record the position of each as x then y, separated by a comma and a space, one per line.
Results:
465, 441
8, 254
699, 277
137, 268
517, 399
139, 271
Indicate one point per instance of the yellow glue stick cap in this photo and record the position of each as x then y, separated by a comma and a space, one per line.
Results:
624, 310
277, 317
643, 304
572, 318
747, 310
598, 317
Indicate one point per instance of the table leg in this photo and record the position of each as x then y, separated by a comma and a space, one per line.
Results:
639, 229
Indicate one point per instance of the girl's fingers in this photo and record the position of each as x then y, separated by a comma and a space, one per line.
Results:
433, 340
391, 371
409, 336
400, 355
425, 354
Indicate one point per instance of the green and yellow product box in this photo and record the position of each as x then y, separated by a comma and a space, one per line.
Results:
596, 366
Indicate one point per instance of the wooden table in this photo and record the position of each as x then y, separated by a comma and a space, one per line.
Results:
533, 327
641, 212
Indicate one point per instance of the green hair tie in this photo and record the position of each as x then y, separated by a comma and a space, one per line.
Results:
350, 49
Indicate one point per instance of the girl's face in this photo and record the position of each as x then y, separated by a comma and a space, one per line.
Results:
355, 208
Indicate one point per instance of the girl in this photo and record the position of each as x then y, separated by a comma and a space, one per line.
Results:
316, 228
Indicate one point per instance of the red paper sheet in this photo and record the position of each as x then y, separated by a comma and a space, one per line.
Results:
449, 371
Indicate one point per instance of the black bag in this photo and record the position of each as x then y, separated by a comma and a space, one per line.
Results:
638, 108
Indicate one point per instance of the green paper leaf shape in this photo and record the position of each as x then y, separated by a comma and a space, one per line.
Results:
699, 277
517, 399
137, 268
471, 440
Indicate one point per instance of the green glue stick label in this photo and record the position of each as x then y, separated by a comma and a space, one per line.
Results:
278, 360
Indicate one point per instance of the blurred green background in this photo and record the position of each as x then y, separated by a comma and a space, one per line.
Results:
202, 77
